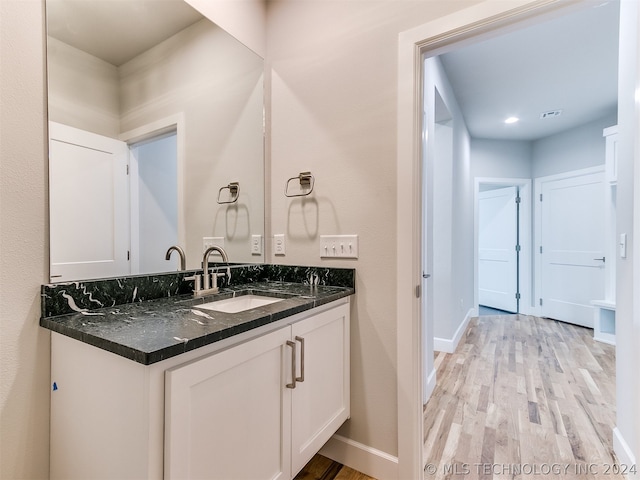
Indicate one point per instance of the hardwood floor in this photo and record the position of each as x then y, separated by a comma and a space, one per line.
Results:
322, 468
523, 397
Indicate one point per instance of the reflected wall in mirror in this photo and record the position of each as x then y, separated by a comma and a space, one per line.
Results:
152, 109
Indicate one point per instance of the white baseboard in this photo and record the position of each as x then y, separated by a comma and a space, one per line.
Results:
449, 345
360, 457
623, 451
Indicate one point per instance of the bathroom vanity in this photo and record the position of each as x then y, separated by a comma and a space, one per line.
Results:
169, 388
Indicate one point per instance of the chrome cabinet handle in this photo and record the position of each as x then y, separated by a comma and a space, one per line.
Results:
301, 377
600, 259
293, 364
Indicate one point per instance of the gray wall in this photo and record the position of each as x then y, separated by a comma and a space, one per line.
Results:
578, 148
500, 158
574, 149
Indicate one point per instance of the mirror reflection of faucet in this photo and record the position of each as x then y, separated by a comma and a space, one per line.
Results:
209, 282
183, 259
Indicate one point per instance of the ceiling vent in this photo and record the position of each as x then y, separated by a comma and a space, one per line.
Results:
550, 113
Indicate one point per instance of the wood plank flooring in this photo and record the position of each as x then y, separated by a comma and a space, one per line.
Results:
322, 468
522, 398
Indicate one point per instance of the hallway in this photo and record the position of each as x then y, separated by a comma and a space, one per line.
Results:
523, 397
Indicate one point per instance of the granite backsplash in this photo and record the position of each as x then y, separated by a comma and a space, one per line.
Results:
83, 295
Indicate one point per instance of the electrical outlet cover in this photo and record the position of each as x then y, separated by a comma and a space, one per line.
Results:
279, 244
256, 244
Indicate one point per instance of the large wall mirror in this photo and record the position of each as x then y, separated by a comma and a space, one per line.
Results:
156, 139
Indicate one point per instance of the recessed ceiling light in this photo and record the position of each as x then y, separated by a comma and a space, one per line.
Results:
511, 120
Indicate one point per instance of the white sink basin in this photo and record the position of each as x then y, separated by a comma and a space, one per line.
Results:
239, 304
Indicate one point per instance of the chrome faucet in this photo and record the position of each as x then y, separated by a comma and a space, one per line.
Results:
207, 285
183, 260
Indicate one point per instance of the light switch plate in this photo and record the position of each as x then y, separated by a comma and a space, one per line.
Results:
256, 244
210, 242
339, 246
623, 245
279, 244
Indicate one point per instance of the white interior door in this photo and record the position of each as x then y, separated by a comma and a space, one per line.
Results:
572, 234
497, 253
89, 204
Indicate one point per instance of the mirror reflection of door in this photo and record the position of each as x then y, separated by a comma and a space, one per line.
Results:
154, 203
88, 205
120, 226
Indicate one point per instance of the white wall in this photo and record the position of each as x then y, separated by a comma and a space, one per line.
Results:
84, 91
24, 346
334, 100
451, 287
627, 438
574, 149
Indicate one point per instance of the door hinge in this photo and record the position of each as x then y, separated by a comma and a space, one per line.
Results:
417, 291
540, 248
517, 296
517, 248
540, 302
127, 169
540, 197
128, 255
518, 199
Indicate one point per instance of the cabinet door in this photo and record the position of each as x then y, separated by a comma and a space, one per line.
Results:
228, 415
320, 403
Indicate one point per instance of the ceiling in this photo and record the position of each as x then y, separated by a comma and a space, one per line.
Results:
117, 31
568, 63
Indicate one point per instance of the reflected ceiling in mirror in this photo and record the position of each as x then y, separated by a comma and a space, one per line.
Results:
153, 109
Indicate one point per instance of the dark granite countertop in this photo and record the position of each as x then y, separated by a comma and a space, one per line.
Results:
150, 331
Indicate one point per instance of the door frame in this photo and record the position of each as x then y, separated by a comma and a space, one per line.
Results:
164, 125
525, 233
463, 27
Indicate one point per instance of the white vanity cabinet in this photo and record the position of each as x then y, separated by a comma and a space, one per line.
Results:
320, 403
262, 409
222, 411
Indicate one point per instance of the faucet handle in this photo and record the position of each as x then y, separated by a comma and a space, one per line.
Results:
214, 278
197, 282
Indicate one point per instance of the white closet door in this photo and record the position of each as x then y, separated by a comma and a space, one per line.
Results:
497, 255
89, 204
572, 241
